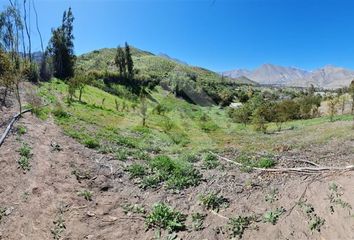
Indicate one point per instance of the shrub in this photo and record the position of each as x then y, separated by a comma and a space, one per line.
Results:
265, 162
25, 150
163, 216
213, 201
210, 161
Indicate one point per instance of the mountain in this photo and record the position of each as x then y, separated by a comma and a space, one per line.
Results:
329, 76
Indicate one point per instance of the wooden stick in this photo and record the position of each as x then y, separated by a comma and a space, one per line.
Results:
9, 127
307, 170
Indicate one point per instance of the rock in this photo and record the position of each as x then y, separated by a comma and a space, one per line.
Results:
90, 214
9, 211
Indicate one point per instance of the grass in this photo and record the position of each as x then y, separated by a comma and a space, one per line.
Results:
21, 129
213, 201
136, 170
163, 216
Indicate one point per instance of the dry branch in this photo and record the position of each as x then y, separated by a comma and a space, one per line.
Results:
9, 127
304, 170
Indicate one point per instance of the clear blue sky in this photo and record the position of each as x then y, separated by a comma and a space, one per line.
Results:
216, 34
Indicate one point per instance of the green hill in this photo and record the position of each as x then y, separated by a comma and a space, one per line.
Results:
192, 83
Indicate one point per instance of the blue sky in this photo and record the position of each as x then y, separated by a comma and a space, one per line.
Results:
215, 34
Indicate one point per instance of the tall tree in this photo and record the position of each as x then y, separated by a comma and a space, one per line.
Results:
129, 61
61, 47
120, 61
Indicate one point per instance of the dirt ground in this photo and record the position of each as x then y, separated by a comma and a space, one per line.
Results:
43, 202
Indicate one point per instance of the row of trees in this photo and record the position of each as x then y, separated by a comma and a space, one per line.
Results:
259, 111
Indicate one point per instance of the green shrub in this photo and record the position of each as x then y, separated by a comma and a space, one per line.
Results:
163, 216
150, 182
213, 202
265, 162
209, 126
24, 163
210, 161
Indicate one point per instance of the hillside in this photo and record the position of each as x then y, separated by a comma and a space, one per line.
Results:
148, 64
96, 173
328, 77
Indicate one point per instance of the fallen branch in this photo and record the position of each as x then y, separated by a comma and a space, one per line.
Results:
9, 127
307, 170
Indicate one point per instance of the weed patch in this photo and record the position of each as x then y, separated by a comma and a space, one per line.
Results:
212, 201
163, 216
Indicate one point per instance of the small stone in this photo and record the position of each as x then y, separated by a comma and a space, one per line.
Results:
9, 211
90, 214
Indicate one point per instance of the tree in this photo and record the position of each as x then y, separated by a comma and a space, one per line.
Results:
120, 62
332, 104
45, 71
351, 92
143, 106
78, 82
129, 61
5, 73
61, 47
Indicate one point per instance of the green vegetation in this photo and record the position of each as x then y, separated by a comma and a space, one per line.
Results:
136, 170
315, 222
87, 195
21, 129
133, 208
273, 216
251, 161
163, 216
238, 225
335, 197
210, 161
25, 155
197, 221
212, 201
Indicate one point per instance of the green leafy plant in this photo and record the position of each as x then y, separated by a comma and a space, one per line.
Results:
272, 196
85, 194
210, 161
163, 216
315, 221
133, 208
213, 201
21, 129
238, 225
197, 221
25, 155
335, 197
273, 216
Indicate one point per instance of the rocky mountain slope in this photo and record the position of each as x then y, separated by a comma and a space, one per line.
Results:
329, 76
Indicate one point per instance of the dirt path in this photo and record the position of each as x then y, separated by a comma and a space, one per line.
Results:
44, 200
